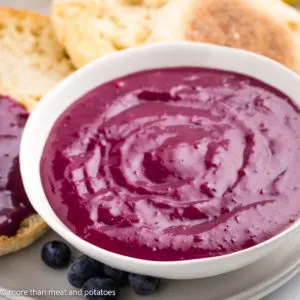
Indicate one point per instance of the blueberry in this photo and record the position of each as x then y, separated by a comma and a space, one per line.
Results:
82, 269
56, 254
120, 277
143, 285
97, 288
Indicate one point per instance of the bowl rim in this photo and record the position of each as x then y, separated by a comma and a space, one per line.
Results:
69, 235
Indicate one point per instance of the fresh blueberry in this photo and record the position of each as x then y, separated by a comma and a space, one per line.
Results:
143, 285
97, 288
82, 269
56, 254
120, 277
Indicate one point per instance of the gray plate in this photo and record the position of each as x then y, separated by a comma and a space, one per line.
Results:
25, 272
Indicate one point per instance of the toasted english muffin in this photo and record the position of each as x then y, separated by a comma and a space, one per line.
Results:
32, 62
31, 229
267, 27
89, 29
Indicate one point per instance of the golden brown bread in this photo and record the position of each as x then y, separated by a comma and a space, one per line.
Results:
31, 229
267, 27
32, 62
89, 29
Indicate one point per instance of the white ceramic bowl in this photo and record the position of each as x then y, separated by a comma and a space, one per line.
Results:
122, 63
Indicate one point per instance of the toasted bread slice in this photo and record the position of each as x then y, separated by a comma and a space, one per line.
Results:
267, 27
31, 229
32, 61
89, 29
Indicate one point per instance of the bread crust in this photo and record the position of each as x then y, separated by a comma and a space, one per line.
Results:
30, 230
241, 24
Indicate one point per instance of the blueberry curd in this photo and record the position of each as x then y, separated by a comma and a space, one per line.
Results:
176, 164
14, 204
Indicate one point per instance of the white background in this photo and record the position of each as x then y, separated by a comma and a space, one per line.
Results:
290, 291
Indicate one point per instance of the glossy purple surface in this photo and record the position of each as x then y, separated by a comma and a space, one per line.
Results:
14, 204
175, 164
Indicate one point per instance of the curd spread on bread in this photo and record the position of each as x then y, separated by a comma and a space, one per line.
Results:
174, 164
14, 204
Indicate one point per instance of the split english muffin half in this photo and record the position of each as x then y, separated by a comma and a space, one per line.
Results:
32, 62
89, 29
267, 27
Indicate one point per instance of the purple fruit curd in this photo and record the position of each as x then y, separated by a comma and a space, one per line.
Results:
14, 204
176, 164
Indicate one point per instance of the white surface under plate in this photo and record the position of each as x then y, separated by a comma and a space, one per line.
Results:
25, 270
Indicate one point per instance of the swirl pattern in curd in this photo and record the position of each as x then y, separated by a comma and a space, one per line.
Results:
175, 164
